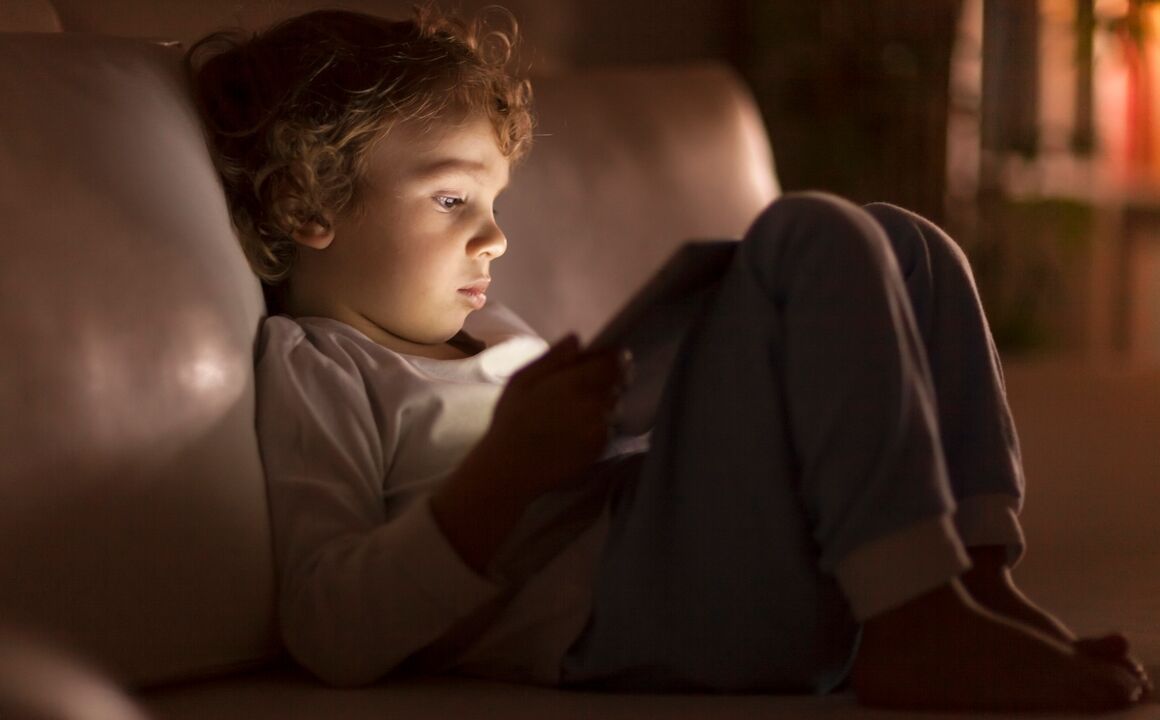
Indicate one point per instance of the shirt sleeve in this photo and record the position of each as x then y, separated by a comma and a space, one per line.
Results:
358, 594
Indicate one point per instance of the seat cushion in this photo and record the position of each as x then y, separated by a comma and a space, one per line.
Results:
41, 682
132, 509
1091, 557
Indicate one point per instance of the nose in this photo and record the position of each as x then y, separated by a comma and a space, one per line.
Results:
490, 242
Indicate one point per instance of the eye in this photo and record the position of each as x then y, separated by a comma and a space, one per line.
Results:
447, 203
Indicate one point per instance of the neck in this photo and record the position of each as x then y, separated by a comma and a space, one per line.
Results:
297, 304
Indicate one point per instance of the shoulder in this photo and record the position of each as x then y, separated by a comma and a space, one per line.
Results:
315, 342
312, 399
312, 357
285, 346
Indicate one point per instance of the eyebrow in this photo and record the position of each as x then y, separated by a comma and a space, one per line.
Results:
450, 165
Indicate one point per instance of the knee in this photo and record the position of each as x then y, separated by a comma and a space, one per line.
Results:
914, 239
811, 211
814, 228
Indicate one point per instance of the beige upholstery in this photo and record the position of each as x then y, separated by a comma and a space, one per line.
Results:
626, 164
133, 515
41, 682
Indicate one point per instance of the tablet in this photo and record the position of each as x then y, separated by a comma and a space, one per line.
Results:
654, 322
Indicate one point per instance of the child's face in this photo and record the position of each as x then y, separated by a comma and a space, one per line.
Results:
410, 265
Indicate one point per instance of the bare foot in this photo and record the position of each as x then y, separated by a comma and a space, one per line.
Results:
943, 651
989, 583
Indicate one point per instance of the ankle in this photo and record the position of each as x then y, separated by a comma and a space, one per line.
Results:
911, 619
989, 575
988, 556
991, 585
898, 643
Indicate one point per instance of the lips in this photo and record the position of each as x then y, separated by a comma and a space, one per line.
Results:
476, 293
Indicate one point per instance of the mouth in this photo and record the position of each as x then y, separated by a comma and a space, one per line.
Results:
475, 293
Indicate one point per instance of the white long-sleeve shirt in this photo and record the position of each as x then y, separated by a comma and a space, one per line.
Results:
354, 437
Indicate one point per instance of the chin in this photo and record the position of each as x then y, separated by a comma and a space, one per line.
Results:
433, 331
442, 336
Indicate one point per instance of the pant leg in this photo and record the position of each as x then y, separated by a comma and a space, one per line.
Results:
976, 429
795, 455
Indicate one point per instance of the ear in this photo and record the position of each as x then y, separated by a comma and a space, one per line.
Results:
315, 234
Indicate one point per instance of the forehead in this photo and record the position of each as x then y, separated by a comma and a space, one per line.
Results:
414, 151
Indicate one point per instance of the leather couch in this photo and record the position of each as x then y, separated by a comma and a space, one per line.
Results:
135, 566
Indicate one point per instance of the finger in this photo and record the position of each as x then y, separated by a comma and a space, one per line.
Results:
558, 356
594, 416
627, 367
623, 370
600, 373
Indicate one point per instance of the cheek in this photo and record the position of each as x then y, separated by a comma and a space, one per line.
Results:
412, 272
386, 256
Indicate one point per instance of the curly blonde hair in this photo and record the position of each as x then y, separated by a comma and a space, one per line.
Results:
291, 112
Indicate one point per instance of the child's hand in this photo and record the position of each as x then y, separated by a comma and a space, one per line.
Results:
550, 424
553, 419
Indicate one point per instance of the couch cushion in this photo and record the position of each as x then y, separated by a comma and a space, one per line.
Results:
132, 509
1093, 474
627, 164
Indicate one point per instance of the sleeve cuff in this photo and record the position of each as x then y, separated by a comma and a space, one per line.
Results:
991, 520
889, 571
439, 572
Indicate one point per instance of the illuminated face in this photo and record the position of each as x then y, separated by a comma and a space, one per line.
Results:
413, 260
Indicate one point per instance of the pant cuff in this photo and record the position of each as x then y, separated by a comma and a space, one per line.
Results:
887, 572
991, 519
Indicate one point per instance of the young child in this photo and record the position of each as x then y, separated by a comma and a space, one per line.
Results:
830, 491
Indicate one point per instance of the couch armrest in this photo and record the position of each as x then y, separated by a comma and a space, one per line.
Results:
41, 681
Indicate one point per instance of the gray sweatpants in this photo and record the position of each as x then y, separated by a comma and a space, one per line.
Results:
833, 435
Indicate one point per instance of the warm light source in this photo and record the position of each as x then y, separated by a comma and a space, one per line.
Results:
1106, 9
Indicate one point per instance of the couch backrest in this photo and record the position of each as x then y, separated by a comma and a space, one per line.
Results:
132, 513
627, 164
132, 509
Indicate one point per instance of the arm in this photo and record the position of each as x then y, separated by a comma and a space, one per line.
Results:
358, 594
551, 423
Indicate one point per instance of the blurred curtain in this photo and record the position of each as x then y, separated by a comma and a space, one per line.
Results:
855, 94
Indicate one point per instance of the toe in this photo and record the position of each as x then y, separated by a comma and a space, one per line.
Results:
1114, 649
1121, 687
1107, 647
